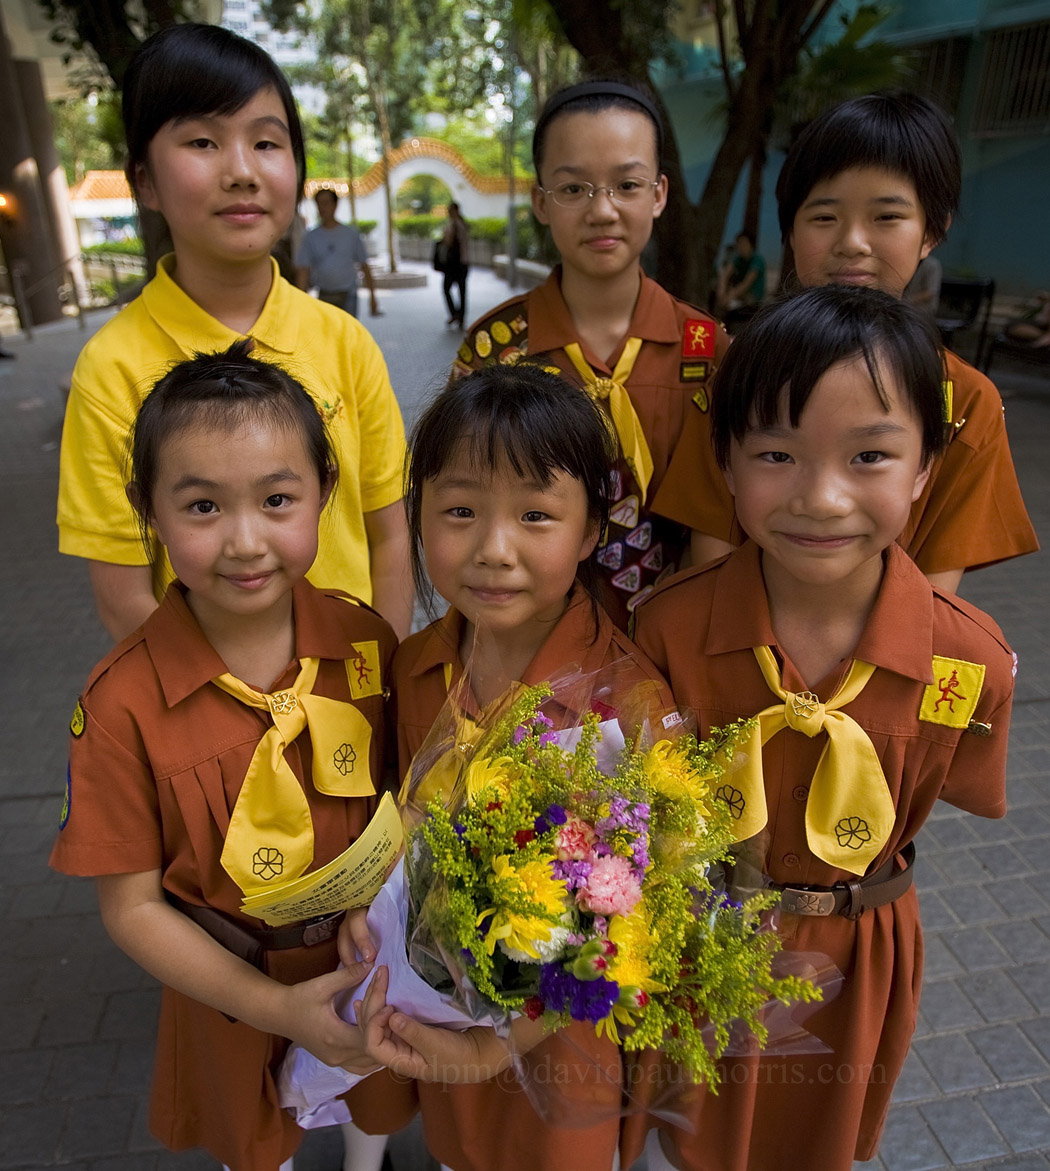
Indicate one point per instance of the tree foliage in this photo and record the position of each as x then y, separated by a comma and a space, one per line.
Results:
107, 32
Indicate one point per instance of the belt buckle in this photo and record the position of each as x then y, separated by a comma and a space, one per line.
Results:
807, 902
323, 930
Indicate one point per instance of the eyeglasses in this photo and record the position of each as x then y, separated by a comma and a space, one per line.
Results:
576, 194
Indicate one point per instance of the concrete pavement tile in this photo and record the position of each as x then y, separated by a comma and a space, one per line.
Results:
133, 1068
1001, 860
1034, 982
975, 948
1021, 1118
184, 1161
953, 1063
1038, 1032
972, 904
1034, 851
136, 1162
21, 1025
947, 1007
1019, 900
131, 1016
939, 960
23, 1074
934, 913
996, 996
959, 865
950, 831
908, 1144
914, 1083
81, 1071
71, 1020
1024, 940
1009, 1053
96, 1128
77, 897
28, 1136
963, 1131
1020, 1163
139, 1138
36, 900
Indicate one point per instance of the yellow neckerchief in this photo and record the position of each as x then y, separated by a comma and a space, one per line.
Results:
271, 834
625, 420
849, 811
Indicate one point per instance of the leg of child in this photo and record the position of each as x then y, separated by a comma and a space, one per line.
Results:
362, 1152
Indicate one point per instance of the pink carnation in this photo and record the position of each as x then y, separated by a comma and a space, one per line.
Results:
612, 888
574, 840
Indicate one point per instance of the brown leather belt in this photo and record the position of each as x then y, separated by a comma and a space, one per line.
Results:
251, 943
852, 898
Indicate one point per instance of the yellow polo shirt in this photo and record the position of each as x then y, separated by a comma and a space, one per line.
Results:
327, 350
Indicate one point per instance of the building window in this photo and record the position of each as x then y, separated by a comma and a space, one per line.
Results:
940, 67
1014, 95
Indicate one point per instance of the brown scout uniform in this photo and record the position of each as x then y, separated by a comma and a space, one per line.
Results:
969, 514
492, 1124
157, 760
825, 1110
681, 348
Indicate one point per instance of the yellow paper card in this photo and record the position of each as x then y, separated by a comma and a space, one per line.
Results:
351, 880
951, 698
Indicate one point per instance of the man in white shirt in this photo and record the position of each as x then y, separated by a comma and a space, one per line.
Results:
329, 256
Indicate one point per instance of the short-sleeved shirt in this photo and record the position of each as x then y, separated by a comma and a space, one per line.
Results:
700, 630
332, 256
492, 1124
329, 352
681, 347
157, 761
969, 514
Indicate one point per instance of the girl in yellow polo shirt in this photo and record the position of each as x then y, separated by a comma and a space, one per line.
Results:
215, 146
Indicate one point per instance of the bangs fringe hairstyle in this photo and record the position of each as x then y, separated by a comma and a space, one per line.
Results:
520, 417
896, 131
222, 392
790, 345
193, 70
592, 95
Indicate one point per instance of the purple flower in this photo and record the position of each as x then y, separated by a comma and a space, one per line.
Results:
459, 828
468, 955
549, 738
520, 732
556, 814
573, 873
586, 1000
541, 824
546, 721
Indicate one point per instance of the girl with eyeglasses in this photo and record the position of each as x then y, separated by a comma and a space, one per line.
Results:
601, 323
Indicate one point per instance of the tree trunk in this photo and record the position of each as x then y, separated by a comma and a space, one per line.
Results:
350, 171
754, 188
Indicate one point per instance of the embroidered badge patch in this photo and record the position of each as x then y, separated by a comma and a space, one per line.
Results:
951, 698
948, 390
625, 514
464, 353
67, 800
500, 332
693, 371
700, 400
76, 724
482, 343
611, 556
362, 670
698, 339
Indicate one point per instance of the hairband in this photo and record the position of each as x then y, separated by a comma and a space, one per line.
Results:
601, 89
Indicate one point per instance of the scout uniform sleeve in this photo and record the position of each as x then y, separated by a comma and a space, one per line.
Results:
110, 819
382, 431
976, 777
94, 517
972, 513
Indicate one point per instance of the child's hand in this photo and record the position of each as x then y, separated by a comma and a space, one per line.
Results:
354, 941
422, 1051
313, 1022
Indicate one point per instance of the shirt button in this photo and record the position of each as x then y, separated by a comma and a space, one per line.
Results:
790, 859
800, 793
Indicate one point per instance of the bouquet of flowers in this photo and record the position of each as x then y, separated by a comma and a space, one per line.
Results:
572, 874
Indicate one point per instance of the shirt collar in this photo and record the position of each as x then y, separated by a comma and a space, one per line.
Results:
575, 629
185, 661
898, 635
196, 331
551, 326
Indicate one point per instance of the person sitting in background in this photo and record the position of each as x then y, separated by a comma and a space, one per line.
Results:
1034, 326
742, 278
924, 289
330, 256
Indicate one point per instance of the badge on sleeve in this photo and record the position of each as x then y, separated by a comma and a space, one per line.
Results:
698, 339
951, 698
76, 724
948, 393
362, 670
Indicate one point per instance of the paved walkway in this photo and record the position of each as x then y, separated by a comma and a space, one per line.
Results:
78, 1018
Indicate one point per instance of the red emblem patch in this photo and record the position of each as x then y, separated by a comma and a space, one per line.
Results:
698, 339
